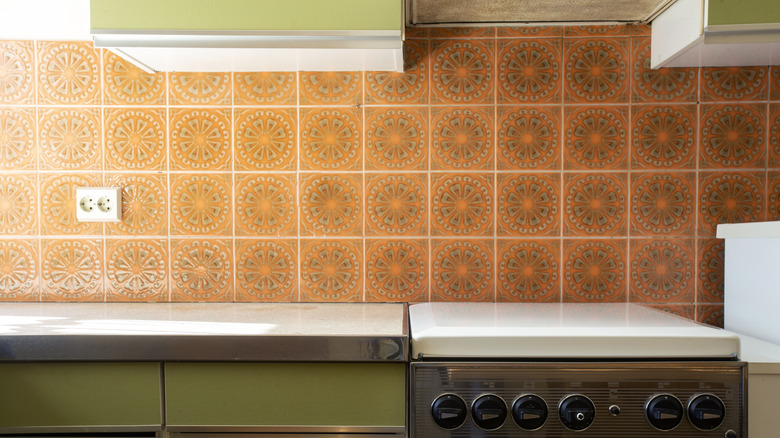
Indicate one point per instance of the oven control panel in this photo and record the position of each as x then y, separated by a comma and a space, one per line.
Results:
582, 399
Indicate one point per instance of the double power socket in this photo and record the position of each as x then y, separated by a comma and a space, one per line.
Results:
99, 204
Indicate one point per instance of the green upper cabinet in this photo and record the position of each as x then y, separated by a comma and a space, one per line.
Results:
75, 396
252, 35
234, 15
721, 12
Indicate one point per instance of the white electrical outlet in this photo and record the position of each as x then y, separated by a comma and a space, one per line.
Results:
99, 204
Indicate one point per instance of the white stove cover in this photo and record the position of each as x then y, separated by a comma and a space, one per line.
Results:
562, 331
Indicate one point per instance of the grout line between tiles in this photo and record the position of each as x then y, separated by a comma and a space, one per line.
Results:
168, 195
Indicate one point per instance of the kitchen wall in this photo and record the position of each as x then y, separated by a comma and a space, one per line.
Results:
510, 164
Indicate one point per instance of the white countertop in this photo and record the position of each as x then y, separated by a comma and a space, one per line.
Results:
749, 230
203, 319
203, 331
570, 330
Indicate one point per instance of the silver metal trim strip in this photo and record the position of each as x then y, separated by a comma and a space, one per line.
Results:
204, 348
742, 33
283, 39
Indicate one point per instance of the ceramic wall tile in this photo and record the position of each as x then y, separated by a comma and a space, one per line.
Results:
266, 270
70, 139
17, 72
733, 136
597, 70
595, 204
597, 30
462, 71
200, 204
528, 204
710, 314
265, 139
774, 83
529, 138
331, 88
19, 270
462, 32
396, 270
462, 204
710, 281
528, 271
18, 206
519, 164
135, 139
661, 84
663, 137
663, 204
594, 270
773, 132
199, 88
640, 29
547, 32
58, 206
529, 71
396, 204
687, 311
331, 270
662, 271
733, 83
18, 149
461, 139
126, 84
396, 138
462, 270
137, 270
72, 270
729, 197
68, 73
410, 87
265, 88
331, 204
331, 139
200, 139
416, 32
201, 270
265, 205
596, 138
773, 196
144, 205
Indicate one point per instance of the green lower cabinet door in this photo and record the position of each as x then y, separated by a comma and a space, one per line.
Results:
285, 394
80, 395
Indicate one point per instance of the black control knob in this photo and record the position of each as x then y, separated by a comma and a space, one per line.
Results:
489, 412
529, 412
706, 411
576, 412
664, 412
449, 411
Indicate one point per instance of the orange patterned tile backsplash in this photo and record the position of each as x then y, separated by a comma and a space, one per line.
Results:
533, 164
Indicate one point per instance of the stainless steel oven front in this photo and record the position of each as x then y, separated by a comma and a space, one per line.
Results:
513, 370
583, 399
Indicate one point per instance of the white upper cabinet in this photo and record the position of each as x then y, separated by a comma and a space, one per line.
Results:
693, 33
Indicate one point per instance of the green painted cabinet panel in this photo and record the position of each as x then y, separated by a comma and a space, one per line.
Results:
247, 14
80, 395
722, 12
305, 394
